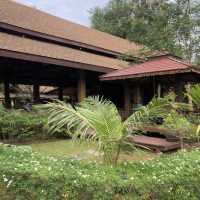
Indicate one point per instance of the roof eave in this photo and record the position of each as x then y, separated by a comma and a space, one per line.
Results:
134, 76
53, 61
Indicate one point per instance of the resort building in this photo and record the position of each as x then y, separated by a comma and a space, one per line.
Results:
39, 49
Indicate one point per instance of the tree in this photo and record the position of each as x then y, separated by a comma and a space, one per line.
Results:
98, 119
161, 25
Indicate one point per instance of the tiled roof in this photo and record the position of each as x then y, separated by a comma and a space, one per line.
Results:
18, 15
157, 66
33, 47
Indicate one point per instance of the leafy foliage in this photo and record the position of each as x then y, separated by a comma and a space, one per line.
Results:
194, 94
19, 125
96, 118
156, 108
159, 25
28, 175
180, 125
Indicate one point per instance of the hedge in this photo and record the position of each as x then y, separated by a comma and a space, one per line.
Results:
25, 175
20, 125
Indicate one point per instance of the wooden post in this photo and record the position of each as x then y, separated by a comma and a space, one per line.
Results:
7, 95
188, 88
179, 91
159, 90
60, 93
81, 87
127, 100
36, 93
137, 95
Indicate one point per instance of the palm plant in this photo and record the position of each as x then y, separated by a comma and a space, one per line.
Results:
157, 107
99, 119
194, 94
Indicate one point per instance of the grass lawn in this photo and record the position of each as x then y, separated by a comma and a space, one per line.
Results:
84, 150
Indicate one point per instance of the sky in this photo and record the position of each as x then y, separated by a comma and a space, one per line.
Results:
73, 10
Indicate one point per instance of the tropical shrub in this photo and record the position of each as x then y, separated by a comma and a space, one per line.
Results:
194, 94
99, 119
180, 125
27, 175
19, 125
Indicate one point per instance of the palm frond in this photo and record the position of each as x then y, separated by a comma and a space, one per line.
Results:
104, 116
64, 115
157, 107
95, 115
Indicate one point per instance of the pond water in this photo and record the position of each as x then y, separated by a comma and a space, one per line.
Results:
83, 150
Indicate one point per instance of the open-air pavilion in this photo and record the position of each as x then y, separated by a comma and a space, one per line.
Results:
39, 49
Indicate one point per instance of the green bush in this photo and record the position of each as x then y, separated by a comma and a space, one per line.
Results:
180, 125
20, 125
25, 175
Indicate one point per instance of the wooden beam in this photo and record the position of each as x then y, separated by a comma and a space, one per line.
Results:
127, 100
36, 93
7, 95
81, 87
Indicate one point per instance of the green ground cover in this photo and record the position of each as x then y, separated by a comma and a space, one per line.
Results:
25, 175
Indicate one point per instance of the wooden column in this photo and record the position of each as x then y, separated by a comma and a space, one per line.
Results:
7, 95
36, 93
179, 91
60, 93
127, 100
159, 90
81, 87
188, 88
138, 95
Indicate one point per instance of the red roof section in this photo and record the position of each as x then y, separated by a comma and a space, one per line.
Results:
158, 66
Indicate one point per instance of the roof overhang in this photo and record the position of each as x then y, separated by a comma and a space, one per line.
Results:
18, 47
52, 61
170, 72
165, 65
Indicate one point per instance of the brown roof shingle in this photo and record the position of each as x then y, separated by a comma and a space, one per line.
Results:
32, 19
33, 47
